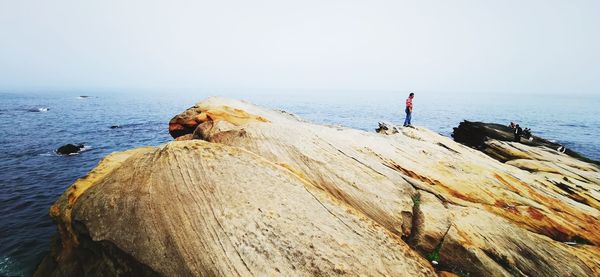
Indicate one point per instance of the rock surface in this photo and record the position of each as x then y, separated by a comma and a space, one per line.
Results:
250, 191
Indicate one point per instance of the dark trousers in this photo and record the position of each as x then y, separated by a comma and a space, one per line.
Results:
408, 117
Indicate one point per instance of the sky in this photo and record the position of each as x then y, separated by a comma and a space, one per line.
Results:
479, 46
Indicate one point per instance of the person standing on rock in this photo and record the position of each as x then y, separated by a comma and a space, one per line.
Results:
409, 109
518, 133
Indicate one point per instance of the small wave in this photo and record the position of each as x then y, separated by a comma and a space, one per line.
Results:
39, 110
47, 154
574, 125
8, 267
84, 149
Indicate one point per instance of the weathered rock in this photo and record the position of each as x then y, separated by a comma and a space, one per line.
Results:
69, 149
200, 208
259, 192
187, 122
456, 175
431, 222
488, 245
477, 134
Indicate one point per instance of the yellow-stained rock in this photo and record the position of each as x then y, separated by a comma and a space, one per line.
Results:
61, 211
380, 175
200, 208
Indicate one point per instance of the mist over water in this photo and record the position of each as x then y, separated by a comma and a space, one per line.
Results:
34, 125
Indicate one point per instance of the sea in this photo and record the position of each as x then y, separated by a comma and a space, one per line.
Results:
34, 124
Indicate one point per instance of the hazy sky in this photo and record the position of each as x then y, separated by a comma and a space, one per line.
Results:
447, 46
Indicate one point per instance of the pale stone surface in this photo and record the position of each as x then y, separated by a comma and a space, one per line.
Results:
200, 215
266, 185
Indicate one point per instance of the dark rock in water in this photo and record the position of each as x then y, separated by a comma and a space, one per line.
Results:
84, 96
476, 134
69, 149
115, 126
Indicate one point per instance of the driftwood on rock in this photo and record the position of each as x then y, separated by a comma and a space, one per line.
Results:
387, 128
250, 191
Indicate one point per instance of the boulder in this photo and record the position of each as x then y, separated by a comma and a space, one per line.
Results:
68, 149
252, 191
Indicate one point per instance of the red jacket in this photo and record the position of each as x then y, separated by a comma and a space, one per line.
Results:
409, 104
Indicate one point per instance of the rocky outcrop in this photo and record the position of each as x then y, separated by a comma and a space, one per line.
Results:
249, 191
479, 135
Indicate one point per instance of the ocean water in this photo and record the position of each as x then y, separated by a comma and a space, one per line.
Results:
33, 125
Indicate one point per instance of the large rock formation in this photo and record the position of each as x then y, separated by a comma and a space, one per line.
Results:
249, 191
480, 135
